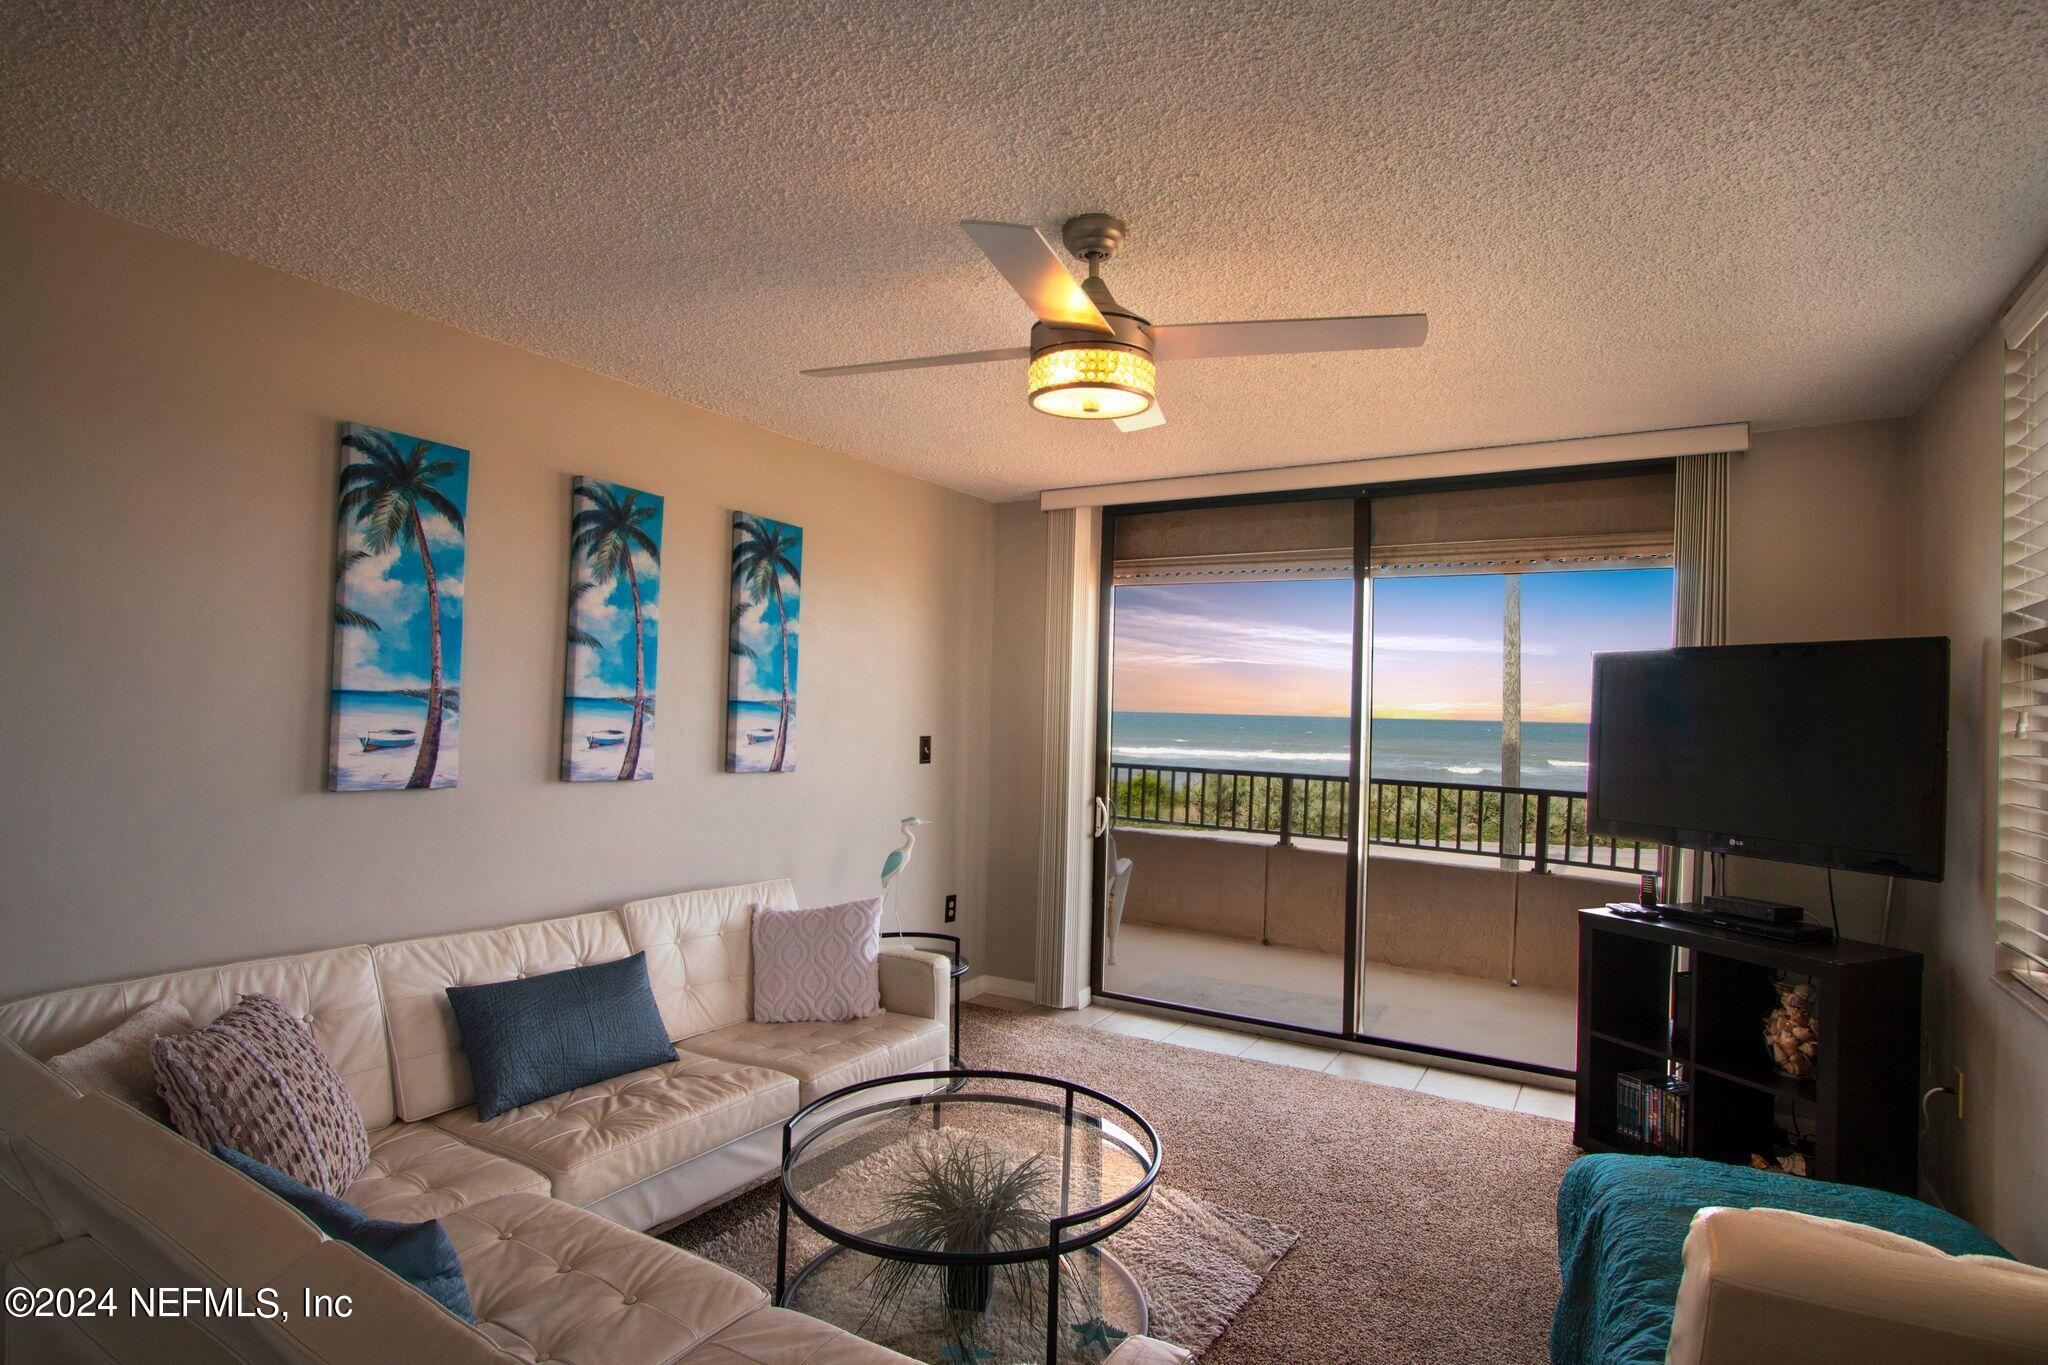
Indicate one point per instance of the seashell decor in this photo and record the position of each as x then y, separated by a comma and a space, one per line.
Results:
1791, 1031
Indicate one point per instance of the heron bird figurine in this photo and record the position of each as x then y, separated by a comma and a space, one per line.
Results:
899, 858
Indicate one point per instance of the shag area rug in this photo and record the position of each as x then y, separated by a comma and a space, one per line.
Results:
1199, 1265
1427, 1227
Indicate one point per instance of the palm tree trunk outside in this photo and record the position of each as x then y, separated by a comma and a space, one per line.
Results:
630, 766
430, 733
782, 627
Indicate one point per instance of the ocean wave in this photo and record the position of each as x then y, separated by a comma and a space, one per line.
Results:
1180, 751
1567, 762
1465, 769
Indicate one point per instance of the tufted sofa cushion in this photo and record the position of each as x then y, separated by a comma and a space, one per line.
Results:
101, 1337
599, 1139
168, 1211
430, 1072
28, 1091
334, 993
551, 1282
825, 1056
699, 953
418, 1172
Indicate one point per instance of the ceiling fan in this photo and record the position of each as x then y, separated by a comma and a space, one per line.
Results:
1091, 357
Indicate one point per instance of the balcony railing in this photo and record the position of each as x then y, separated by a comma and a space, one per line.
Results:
1542, 828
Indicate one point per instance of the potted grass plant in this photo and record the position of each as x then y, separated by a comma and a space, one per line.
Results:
966, 1195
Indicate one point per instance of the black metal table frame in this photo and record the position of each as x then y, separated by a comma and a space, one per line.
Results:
1119, 1212
960, 966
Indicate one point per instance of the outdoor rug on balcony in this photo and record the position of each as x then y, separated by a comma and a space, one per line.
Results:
1199, 1265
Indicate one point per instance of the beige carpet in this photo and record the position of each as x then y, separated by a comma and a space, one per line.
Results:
1427, 1226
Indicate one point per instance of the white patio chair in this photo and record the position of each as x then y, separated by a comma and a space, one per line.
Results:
1119, 887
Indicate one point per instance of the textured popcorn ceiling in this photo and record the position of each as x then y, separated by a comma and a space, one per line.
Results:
1617, 216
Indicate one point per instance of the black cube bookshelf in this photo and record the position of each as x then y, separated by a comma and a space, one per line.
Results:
1644, 1008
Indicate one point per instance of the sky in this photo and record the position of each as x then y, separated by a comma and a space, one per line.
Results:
606, 612
1285, 648
390, 588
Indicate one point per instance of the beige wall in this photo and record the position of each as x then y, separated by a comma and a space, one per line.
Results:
1818, 526
1016, 741
1990, 1166
166, 545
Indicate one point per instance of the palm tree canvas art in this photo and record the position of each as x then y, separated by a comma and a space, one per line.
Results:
614, 617
767, 574
397, 695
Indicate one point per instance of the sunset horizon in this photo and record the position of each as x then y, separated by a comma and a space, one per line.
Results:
1283, 649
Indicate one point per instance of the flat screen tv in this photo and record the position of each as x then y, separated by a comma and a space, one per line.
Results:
1834, 754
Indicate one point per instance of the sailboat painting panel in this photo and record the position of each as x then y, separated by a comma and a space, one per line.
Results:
614, 624
767, 581
396, 701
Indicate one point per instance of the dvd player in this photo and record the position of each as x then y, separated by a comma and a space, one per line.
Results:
1751, 908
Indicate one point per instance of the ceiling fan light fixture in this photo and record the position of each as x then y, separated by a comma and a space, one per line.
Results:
1091, 380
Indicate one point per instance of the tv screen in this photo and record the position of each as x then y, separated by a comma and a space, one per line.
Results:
1834, 754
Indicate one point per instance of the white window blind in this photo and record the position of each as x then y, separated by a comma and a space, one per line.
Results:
2023, 732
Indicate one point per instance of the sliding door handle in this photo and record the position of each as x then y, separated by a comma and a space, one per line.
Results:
1101, 818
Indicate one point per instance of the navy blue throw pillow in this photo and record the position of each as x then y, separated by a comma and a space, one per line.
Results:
530, 1039
418, 1253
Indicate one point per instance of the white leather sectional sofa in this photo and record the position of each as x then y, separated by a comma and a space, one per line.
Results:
543, 1204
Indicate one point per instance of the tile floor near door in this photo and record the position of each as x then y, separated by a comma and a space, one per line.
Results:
1455, 1085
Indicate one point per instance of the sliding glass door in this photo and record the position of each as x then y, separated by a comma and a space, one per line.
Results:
1343, 755
1479, 854
1229, 684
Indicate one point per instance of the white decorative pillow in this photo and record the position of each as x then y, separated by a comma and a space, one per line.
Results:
818, 965
118, 1062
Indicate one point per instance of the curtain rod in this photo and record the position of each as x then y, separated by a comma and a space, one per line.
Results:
1584, 450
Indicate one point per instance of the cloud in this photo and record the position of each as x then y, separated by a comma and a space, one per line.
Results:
359, 670
1157, 636
367, 585
587, 681
441, 533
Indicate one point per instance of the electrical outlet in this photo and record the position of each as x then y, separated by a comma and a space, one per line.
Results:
952, 908
924, 748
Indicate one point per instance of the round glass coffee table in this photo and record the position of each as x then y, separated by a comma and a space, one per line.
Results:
964, 1213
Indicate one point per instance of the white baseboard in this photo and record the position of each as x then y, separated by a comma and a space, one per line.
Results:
1008, 987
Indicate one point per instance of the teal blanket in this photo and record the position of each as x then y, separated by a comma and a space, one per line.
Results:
1621, 1225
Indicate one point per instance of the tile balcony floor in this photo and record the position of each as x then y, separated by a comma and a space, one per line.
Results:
1437, 1009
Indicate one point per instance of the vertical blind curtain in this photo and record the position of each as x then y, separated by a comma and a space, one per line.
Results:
2022, 910
1700, 600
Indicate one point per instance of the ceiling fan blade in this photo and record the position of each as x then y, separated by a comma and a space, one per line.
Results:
921, 363
1153, 416
1287, 336
1026, 260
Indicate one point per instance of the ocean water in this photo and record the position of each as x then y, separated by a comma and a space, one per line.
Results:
584, 716
357, 713
1553, 752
